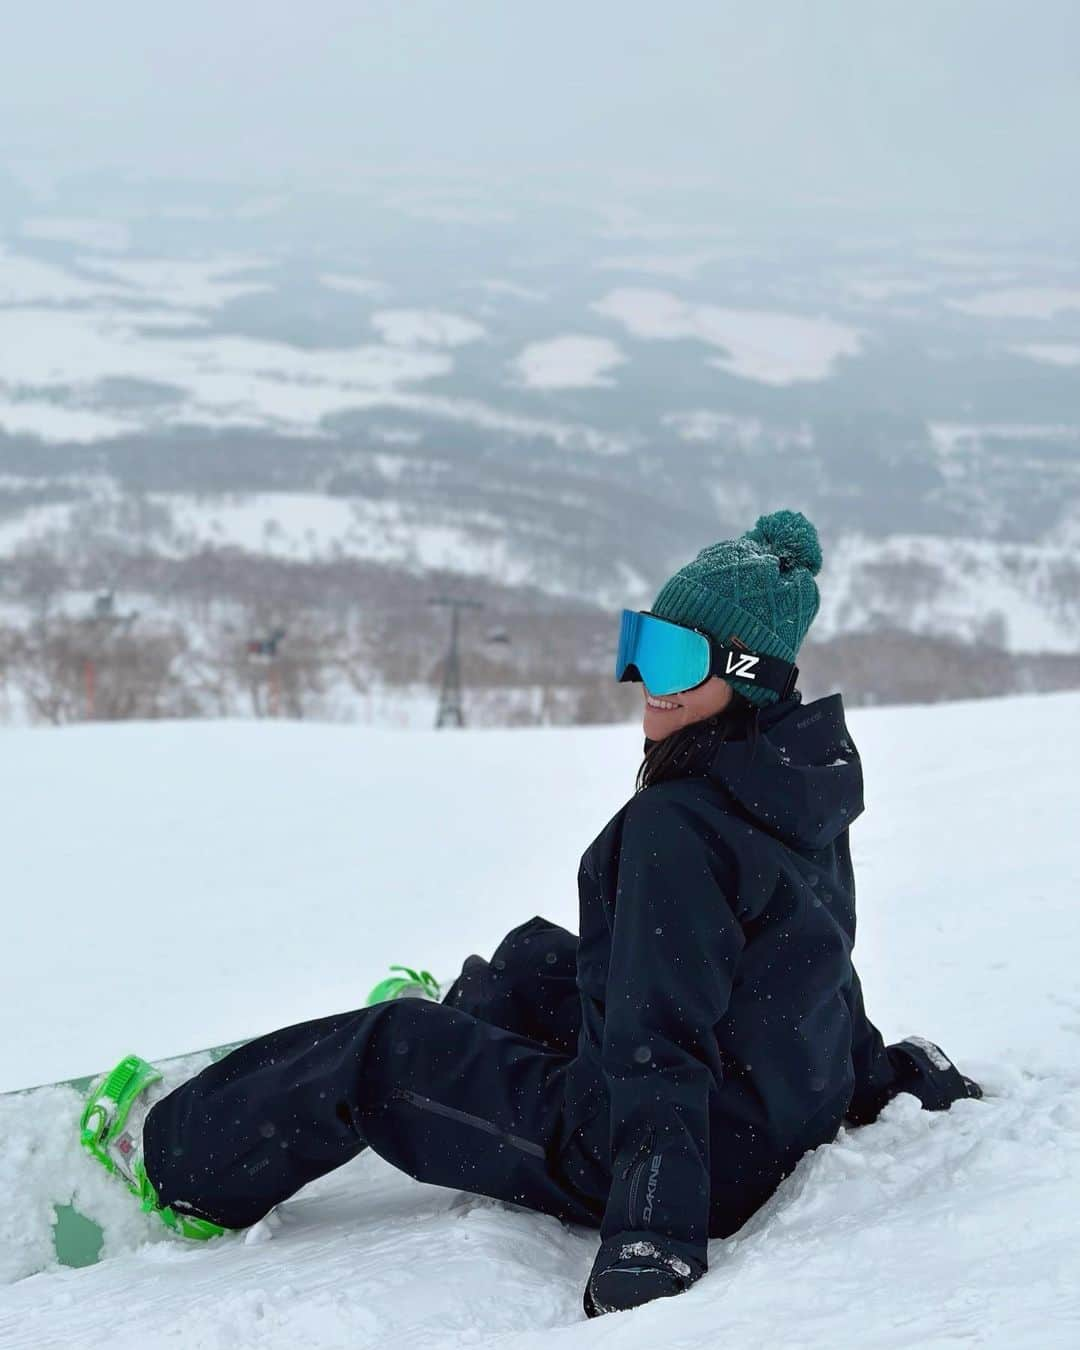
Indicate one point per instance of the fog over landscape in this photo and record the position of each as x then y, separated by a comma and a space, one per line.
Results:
303, 320
360, 361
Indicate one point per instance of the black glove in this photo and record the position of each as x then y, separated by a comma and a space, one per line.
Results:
925, 1070
634, 1268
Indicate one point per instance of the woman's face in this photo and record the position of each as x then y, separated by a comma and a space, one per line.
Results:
664, 715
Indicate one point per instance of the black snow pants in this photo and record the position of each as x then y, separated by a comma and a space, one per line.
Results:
477, 1093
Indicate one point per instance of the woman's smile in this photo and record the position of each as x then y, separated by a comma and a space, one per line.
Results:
664, 703
703, 700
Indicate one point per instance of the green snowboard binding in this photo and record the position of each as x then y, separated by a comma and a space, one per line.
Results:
408, 984
111, 1131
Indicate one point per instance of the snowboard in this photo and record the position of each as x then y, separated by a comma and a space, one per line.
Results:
77, 1211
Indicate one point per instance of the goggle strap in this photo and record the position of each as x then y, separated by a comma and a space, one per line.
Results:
732, 660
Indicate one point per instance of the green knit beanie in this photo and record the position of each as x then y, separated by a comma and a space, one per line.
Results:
759, 587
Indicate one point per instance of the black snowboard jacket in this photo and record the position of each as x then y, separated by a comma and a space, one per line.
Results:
723, 1020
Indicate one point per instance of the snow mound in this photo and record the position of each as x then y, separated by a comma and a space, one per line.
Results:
922, 1229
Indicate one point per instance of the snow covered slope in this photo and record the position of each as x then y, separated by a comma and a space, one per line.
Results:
263, 873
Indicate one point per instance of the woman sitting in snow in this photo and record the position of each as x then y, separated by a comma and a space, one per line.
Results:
657, 1076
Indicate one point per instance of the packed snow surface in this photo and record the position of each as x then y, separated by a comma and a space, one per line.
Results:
178, 885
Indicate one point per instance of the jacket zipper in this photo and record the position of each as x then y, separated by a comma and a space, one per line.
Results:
464, 1118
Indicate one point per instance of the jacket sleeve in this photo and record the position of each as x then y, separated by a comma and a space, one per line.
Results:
675, 943
913, 1065
875, 1078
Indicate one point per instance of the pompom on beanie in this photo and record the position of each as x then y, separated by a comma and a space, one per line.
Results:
759, 588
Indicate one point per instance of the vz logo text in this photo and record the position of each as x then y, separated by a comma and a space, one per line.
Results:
743, 666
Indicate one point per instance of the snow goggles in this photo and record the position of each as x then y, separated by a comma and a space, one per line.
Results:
670, 658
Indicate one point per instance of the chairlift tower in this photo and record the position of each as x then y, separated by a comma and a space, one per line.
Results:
451, 712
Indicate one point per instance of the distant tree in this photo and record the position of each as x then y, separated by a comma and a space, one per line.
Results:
72, 669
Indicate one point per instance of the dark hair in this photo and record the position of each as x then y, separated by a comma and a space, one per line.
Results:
669, 757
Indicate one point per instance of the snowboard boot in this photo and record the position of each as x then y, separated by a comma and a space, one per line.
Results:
628, 1274
408, 984
111, 1131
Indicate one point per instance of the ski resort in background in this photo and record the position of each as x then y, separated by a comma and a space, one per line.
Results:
359, 364
306, 393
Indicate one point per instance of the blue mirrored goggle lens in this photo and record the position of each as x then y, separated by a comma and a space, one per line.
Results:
668, 658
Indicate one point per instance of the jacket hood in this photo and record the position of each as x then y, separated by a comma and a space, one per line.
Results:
802, 781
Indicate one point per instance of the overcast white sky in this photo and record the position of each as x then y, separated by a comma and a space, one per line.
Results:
970, 104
